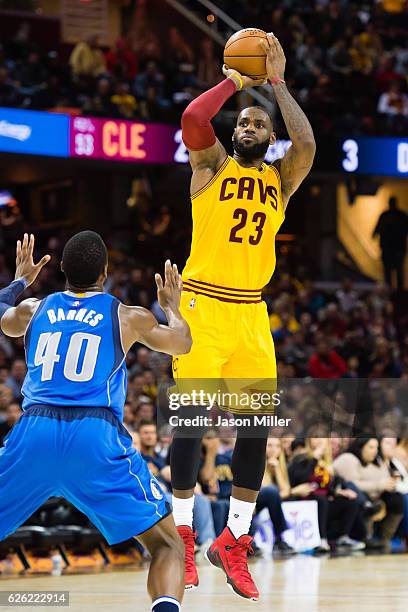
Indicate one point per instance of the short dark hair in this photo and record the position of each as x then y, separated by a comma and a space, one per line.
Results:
84, 259
257, 108
146, 423
297, 443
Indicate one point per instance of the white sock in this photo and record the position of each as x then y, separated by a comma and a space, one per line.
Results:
183, 511
240, 516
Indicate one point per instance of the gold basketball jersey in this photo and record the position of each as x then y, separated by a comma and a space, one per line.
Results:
236, 217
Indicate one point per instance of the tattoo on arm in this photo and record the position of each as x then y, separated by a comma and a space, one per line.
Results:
297, 124
298, 160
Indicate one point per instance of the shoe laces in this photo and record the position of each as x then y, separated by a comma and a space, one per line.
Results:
238, 554
189, 539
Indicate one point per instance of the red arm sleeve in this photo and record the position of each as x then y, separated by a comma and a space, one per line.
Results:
198, 133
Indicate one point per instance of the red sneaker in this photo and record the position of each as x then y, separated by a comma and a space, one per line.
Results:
230, 555
191, 576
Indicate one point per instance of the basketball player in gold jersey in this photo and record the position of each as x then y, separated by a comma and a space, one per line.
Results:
238, 205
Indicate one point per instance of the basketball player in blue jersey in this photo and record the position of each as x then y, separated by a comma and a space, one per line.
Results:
70, 440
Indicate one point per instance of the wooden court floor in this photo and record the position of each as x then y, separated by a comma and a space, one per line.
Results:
300, 584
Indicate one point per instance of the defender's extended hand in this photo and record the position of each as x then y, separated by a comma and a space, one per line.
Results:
275, 57
25, 267
247, 82
168, 294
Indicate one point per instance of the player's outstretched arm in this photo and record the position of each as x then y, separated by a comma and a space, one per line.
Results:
15, 319
298, 160
207, 154
139, 324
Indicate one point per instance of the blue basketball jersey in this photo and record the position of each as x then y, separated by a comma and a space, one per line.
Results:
74, 353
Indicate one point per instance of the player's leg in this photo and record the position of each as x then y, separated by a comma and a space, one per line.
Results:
252, 365
230, 549
28, 466
109, 481
184, 462
165, 582
198, 369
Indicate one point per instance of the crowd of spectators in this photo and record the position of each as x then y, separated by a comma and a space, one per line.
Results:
343, 335
346, 63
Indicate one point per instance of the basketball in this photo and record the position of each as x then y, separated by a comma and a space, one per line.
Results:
244, 52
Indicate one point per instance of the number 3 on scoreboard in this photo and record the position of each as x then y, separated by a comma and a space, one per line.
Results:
350, 162
47, 356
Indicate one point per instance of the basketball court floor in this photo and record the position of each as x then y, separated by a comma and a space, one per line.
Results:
300, 584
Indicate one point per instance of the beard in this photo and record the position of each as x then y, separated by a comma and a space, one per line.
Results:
250, 152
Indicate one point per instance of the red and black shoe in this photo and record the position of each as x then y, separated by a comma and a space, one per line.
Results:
230, 555
191, 576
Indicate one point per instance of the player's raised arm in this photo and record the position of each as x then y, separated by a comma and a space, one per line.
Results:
139, 324
207, 154
298, 160
14, 319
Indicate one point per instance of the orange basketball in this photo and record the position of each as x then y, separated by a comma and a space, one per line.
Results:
243, 52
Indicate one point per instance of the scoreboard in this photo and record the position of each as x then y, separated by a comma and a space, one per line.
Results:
137, 142
380, 156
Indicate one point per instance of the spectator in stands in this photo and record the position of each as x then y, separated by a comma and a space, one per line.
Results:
386, 73
346, 295
392, 228
125, 102
275, 487
362, 465
12, 415
353, 367
390, 453
401, 452
150, 78
142, 361
122, 61
382, 361
87, 59
297, 351
16, 378
101, 104
144, 411
128, 417
326, 363
32, 75
311, 476
339, 58
363, 56
148, 441
393, 103
6, 398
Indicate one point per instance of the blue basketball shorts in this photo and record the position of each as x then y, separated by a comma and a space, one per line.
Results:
85, 455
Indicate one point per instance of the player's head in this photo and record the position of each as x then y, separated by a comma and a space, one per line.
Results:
253, 133
85, 260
